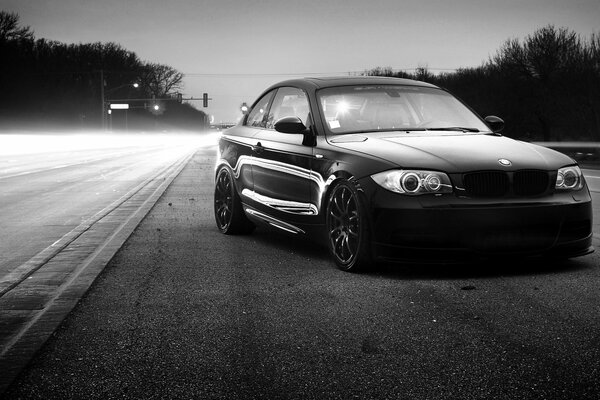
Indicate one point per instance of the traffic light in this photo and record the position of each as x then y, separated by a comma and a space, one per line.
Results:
205, 100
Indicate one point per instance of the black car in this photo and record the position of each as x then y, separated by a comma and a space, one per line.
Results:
396, 169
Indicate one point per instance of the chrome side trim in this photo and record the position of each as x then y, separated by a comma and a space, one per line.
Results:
310, 175
242, 160
274, 221
294, 207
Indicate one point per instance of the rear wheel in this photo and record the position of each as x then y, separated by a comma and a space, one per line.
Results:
348, 228
229, 215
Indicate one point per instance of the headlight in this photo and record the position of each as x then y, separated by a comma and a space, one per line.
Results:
413, 182
569, 178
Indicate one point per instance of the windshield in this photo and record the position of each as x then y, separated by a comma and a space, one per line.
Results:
353, 109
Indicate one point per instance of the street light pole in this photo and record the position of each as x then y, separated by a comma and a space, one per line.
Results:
103, 94
102, 104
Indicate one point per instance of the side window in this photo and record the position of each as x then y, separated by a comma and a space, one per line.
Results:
257, 114
288, 102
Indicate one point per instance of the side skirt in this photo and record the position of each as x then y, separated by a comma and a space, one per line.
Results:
257, 215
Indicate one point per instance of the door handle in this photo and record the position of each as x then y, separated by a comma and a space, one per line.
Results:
258, 148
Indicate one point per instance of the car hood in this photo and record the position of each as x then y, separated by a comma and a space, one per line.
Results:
453, 152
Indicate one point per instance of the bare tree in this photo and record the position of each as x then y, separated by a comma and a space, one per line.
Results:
10, 29
422, 74
161, 80
548, 66
542, 56
594, 52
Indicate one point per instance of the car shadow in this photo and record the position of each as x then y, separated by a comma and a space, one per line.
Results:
479, 269
299, 245
310, 249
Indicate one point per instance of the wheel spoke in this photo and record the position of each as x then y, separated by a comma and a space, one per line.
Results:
337, 218
342, 199
349, 251
348, 202
335, 232
222, 208
224, 215
342, 248
336, 202
338, 243
353, 224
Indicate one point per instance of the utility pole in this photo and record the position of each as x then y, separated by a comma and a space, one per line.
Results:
102, 116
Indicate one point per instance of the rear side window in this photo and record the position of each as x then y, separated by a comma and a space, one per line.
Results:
257, 116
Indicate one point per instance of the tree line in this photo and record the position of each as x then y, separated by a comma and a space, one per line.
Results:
55, 82
546, 86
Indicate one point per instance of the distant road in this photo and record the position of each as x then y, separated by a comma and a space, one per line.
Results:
52, 184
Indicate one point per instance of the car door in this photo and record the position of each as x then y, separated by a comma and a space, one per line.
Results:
281, 164
236, 144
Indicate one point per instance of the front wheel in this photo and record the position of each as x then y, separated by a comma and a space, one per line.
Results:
348, 228
229, 215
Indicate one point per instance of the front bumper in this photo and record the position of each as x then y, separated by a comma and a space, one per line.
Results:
448, 228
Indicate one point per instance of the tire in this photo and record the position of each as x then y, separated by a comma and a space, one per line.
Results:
229, 215
348, 229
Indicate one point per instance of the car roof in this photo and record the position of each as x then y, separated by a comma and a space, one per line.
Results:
325, 82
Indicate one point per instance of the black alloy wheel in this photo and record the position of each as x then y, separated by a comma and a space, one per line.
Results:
347, 228
229, 215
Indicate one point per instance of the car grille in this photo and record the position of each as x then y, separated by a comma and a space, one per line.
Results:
530, 182
486, 183
499, 183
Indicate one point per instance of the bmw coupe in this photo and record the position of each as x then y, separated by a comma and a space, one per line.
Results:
396, 169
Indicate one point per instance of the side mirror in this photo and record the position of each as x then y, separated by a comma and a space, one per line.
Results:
290, 125
496, 124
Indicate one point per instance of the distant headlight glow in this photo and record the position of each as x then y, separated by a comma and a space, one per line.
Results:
569, 178
414, 182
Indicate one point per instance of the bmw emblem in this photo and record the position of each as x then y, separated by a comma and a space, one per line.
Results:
504, 162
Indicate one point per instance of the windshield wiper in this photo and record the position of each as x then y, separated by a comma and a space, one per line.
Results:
454, 128
407, 130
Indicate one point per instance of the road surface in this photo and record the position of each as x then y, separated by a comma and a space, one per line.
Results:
183, 311
50, 188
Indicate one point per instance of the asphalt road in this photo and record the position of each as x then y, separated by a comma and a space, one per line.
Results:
51, 184
183, 311
69, 202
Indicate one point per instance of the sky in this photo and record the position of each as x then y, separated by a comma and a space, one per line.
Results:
233, 50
